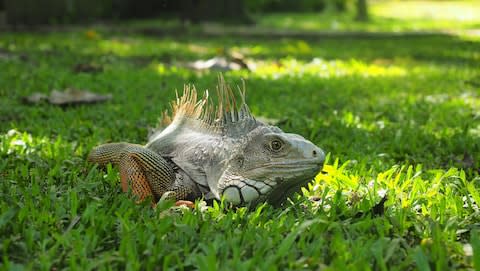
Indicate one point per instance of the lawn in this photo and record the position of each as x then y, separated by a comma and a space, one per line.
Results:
399, 117
394, 16
385, 16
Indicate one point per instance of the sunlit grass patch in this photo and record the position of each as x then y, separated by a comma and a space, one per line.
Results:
324, 69
24, 145
121, 48
39, 155
453, 11
437, 194
393, 16
126, 47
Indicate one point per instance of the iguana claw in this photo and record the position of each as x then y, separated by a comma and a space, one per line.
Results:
187, 203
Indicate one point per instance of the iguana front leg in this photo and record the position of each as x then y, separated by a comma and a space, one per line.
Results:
143, 171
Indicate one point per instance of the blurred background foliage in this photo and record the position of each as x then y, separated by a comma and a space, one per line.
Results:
311, 15
31, 12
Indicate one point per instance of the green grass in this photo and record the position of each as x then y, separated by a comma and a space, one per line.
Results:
399, 116
395, 16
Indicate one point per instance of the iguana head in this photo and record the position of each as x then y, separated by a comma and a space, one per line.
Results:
269, 165
236, 156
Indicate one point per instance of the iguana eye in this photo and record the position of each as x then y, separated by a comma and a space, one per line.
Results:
276, 145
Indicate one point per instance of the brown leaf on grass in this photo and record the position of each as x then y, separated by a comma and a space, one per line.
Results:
35, 98
221, 63
239, 59
76, 96
70, 96
216, 63
4, 55
88, 68
8, 55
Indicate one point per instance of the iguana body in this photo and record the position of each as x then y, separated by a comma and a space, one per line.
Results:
213, 153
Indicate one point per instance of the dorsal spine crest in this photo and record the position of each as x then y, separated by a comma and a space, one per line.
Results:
201, 114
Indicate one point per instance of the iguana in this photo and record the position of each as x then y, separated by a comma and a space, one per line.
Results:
213, 152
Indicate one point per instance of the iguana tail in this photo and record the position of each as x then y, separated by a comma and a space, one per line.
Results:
108, 153
143, 171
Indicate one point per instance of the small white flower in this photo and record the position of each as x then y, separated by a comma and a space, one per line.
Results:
468, 250
382, 192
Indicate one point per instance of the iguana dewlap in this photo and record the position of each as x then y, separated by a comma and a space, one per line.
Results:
214, 152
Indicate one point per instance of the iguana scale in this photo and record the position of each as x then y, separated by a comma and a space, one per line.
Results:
213, 152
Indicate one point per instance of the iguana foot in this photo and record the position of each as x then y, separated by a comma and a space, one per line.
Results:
172, 195
187, 203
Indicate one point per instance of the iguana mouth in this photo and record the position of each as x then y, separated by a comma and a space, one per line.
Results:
285, 189
300, 171
295, 169
302, 164
274, 191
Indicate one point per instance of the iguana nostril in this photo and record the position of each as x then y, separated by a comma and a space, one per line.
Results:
314, 153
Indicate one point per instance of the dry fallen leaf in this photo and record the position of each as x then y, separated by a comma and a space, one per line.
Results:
92, 34
216, 63
35, 98
87, 67
219, 63
70, 96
